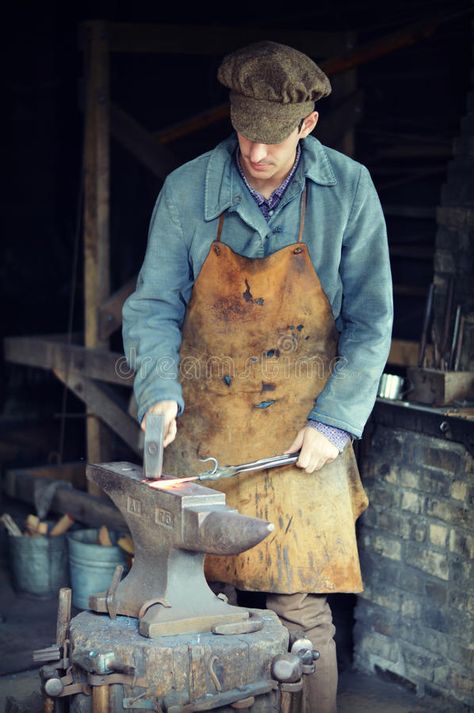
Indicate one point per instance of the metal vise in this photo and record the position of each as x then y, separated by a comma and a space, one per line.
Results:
173, 525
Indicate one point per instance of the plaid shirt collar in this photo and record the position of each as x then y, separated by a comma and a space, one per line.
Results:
269, 204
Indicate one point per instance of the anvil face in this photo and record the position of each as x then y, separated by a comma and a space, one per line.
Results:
172, 525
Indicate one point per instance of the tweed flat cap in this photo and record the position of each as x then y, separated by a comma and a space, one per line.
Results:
272, 87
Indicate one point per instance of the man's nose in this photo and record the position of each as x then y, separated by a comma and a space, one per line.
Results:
258, 152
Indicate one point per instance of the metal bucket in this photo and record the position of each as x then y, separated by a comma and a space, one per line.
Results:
91, 565
38, 564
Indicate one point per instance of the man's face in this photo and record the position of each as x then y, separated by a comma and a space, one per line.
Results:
265, 162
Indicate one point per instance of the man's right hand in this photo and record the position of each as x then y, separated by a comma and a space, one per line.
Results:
170, 410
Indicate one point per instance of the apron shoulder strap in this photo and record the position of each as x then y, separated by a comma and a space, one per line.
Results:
302, 215
219, 227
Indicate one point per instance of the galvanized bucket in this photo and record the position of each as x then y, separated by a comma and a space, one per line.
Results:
91, 565
38, 564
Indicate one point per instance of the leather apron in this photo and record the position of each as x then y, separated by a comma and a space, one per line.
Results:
259, 343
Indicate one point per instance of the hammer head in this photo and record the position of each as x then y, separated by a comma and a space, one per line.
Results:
153, 448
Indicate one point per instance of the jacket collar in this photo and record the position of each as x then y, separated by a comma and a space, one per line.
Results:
223, 190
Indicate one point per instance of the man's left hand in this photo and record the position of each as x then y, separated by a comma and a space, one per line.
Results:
316, 449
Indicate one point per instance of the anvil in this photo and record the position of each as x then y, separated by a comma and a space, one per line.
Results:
173, 526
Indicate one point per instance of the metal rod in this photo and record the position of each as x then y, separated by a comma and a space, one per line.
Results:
275, 462
457, 358
447, 317
64, 615
100, 699
426, 324
455, 337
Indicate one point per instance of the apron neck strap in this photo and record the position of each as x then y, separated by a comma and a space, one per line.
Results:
302, 215
219, 227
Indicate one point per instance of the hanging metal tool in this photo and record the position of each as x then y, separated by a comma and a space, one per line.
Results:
447, 324
457, 358
426, 325
455, 337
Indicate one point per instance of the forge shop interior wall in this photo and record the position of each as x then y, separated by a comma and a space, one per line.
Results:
415, 619
454, 254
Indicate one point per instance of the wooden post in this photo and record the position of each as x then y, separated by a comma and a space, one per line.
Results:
96, 206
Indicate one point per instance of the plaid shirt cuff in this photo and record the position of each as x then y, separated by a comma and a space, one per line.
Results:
337, 436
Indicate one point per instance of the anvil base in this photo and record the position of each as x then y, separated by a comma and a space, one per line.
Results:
176, 674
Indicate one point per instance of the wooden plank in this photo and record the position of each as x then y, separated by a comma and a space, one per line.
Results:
440, 388
102, 404
74, 473
47, 353
111, 311
83, 507
96, 205
405, 353
216, 40
141, 143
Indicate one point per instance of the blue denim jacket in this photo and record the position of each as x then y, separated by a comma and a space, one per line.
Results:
346, 237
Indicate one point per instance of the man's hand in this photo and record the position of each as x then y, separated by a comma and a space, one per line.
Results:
316, 449
170, 411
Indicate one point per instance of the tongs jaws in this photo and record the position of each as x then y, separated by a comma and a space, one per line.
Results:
229, 471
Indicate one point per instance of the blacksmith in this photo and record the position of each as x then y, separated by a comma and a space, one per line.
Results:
261, 323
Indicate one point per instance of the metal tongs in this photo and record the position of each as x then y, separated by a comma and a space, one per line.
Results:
228, 471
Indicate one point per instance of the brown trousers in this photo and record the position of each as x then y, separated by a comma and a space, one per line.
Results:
311, 614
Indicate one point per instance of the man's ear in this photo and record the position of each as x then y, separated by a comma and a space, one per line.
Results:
309, 123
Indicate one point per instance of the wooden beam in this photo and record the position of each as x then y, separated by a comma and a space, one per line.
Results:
102, 404
382, 46
195, 123
47, 353
74, 473
111, 311
216, 40
341, 61
84, 507
141, 143
97, 178
96, 204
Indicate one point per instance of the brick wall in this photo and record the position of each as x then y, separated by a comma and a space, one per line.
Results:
415, 619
